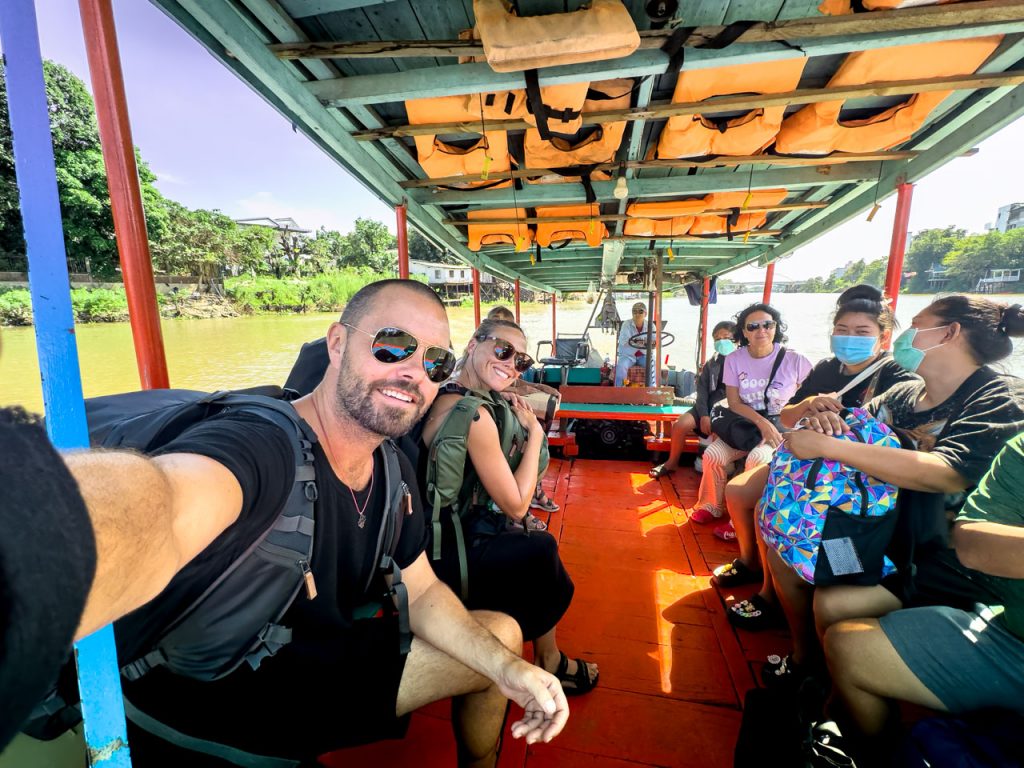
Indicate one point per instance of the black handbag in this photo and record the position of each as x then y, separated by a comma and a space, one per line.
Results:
738, 431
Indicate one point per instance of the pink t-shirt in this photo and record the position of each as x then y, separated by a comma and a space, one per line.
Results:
750, 376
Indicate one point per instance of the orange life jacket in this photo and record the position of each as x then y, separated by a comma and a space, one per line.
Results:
818, 129
604, 30
843, 7
737, 221
593, 231
746, 134
592, 145
475, 160
520, 235
682, 213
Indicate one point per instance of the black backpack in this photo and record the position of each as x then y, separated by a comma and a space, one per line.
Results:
219, 631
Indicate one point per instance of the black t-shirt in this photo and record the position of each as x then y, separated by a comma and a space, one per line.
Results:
827, 376
260, 456
968, 429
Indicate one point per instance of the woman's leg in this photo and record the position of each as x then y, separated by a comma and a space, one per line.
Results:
835, 604
546, 655
683, 427
718, 457
796, 597
741, 496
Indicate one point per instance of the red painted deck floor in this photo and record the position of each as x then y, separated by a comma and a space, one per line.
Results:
673, 671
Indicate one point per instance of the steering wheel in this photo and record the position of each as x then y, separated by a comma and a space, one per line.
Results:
639, 341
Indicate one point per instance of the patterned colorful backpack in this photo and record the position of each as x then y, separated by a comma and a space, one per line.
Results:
815, 506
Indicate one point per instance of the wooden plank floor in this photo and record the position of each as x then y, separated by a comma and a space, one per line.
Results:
673, 671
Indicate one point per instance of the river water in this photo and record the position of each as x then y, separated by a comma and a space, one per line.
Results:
246, 351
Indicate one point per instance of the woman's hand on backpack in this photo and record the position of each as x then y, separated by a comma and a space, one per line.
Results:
824, 403
806, 443
824, 422
524, 413
770, 434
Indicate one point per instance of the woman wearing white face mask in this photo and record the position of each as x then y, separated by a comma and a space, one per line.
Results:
953, 423
862, 328
710, 389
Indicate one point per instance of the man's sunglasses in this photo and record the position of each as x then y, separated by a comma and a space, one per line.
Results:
393, 345
503, 350
766, 324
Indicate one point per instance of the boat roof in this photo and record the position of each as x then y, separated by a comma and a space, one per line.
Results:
317, 63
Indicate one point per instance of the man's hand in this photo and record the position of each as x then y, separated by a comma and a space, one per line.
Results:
541, 695
807, 444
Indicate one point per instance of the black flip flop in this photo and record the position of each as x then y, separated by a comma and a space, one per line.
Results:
754, 614
735, 574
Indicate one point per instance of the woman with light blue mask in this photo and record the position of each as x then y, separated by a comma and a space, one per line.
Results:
710, 389
952, 423
862, 329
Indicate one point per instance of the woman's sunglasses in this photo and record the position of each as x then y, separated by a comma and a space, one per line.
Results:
393, 345
766, 324
503, 350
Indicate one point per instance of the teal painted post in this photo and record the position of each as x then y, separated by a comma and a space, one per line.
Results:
99, 682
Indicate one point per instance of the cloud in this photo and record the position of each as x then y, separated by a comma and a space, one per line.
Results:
167, 178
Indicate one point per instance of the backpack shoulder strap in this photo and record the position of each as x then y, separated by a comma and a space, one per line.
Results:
399, 505
771, 377
271, 572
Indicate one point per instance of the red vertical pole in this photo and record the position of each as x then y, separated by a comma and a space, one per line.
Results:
769, 278
898, 246
516, 291
403, 242
554, 321
705, 294
476, 296
125, 194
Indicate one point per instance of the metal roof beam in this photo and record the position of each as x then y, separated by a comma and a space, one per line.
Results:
454, 79
534, 195
240, 47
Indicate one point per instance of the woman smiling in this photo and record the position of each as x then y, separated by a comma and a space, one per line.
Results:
509, 562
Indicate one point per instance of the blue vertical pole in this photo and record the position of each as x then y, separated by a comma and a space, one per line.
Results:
100, 685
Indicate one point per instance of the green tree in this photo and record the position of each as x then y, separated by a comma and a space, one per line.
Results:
81, 180
196, 243
327, 249
421, 249
250, 249
369, 244
974, 256
929, 247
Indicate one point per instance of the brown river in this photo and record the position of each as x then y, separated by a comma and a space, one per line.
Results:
225, 353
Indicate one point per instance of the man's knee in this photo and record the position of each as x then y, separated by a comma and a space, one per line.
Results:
503, 627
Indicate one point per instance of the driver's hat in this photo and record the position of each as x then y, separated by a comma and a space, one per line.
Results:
640, 307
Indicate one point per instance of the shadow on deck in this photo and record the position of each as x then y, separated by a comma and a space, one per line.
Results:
673, 670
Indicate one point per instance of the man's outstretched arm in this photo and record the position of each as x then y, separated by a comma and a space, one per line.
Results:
149, 517
437, 616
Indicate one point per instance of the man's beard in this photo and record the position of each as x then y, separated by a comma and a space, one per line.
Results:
354, 396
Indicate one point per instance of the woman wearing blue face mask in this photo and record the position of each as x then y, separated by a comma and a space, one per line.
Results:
710, 389
862, 328
952, 424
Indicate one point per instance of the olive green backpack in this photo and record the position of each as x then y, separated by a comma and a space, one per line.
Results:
451, 481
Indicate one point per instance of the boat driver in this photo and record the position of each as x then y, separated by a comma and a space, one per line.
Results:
629, 356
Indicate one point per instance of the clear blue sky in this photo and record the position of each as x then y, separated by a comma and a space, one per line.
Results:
214, 143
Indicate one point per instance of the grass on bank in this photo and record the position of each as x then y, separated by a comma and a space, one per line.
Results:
248, 295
